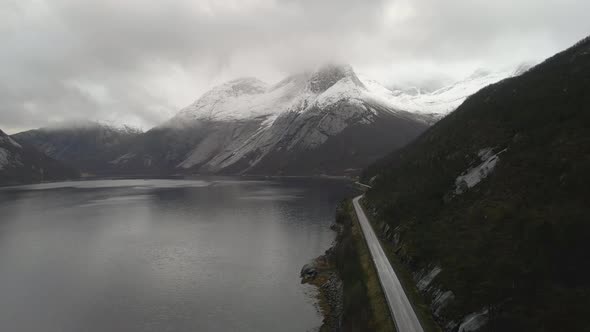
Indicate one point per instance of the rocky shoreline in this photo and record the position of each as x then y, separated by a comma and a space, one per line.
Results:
321, 272
349, 294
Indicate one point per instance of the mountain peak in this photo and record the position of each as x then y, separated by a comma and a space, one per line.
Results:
245, 85
327, 75
236, 88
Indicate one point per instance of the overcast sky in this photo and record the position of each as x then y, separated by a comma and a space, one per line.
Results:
138, 62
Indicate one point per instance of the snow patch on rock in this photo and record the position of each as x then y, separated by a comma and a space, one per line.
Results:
476, 174
441, 300
345, 89
425, 280
474, 321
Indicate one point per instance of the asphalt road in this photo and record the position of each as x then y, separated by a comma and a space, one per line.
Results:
403, 314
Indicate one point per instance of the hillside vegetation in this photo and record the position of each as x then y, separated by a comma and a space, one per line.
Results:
510, 239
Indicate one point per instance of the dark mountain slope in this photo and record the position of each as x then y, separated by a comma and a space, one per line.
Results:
159, 151
515, 243
87, 146
23, 164
357, 146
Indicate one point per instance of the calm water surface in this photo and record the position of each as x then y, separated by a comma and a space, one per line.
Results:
162, 255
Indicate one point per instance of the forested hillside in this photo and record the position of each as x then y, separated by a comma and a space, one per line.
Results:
490, 207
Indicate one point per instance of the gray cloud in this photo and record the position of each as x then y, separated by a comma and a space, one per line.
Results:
138, 61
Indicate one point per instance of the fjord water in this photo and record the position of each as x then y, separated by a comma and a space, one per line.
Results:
163, 255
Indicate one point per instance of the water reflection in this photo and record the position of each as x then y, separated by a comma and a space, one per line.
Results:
162, 255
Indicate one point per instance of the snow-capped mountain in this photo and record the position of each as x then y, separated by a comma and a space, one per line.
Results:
442, 101
250, 98
328, 121
322, 122
23, 164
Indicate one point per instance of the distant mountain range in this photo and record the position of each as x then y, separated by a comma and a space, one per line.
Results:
24, 164
87, 146
326, 122
489, 207
442, 101
322, 122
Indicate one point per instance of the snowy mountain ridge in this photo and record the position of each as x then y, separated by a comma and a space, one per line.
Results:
250, 98
254, 120
94, 125
444, 100
329, 121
